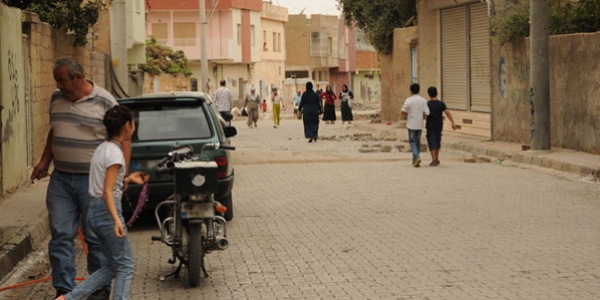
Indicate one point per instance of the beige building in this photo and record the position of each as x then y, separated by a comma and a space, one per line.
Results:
312, 47
270, 70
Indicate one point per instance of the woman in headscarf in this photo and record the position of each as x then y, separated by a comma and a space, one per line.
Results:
329, 110
252, 103
310, 108
346, 96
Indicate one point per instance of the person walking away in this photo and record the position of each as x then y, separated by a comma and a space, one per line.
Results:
435, 124
329, 110
346, 96
77, 108
105, 216
264, 106
278, 105
224, 102
310, 108
415, 109
252, 103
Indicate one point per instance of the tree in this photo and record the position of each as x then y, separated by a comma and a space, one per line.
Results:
378, 18
68, 15
163, 59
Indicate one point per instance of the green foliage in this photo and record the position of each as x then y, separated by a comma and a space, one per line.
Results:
565, 17
163, 59
68, 15
378, 18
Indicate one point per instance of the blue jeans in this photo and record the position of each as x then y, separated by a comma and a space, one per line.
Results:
120, 264
414, 138
67, 199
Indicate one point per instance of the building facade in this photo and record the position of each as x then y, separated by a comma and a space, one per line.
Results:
454, 49
366, 83
270, 71
320, 49
233, 44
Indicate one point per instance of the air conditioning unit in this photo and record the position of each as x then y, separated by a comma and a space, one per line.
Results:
314, 35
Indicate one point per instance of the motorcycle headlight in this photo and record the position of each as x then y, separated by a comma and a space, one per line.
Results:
198, 180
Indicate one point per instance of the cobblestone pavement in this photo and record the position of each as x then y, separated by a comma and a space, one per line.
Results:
324, 221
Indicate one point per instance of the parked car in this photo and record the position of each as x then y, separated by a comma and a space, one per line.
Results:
168, 120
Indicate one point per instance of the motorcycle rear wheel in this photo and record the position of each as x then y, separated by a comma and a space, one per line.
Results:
195, 254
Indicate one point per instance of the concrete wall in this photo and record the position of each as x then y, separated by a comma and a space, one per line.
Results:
574, 101
12, 99
27, 53
396, 74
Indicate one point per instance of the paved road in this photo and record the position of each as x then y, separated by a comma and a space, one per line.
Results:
324, 221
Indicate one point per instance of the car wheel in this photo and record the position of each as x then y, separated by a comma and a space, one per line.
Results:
228, 202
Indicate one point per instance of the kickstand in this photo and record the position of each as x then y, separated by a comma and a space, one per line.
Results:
175, 273
204, 271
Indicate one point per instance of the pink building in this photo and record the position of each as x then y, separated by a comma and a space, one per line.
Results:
231, 33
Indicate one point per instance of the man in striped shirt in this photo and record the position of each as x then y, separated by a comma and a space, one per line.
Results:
77, 108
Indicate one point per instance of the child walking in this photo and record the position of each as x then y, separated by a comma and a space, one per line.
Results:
435, 124
105, 217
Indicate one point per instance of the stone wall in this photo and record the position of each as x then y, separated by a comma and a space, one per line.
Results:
574, 102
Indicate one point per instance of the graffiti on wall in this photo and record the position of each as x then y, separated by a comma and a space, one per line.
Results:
13, 93
518, 89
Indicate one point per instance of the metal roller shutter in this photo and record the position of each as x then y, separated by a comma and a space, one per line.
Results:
479, 59
454, 57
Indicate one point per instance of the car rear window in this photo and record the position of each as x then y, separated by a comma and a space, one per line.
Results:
171, 123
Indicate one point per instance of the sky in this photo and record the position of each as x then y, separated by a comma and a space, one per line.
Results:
323, 7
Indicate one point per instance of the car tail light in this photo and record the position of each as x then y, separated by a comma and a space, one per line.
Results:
222, 163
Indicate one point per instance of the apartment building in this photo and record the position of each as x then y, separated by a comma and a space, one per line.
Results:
233, 43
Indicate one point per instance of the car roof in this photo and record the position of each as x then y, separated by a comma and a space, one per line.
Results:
170, 96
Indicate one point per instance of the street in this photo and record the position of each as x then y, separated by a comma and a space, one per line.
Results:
327, 221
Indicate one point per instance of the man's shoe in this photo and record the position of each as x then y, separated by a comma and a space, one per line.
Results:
432, 163
417, 163
101, 294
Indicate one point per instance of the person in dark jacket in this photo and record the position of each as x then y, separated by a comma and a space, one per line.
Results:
310, 109
329, 111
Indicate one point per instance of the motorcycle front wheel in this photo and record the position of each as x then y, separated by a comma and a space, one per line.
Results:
195, 254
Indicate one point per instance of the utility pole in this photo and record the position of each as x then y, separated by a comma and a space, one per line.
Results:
540, 75
118, 47
203, 55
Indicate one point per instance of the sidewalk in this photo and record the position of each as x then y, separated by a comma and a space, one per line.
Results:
24, 218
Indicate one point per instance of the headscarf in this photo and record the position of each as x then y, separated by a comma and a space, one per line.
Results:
309, 86
330, 91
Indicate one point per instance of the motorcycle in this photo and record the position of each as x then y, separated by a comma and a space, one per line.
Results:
296, 105
192, 227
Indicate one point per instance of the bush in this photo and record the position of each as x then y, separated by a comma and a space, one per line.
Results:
565, 17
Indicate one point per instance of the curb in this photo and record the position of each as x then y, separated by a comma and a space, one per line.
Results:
17, 243
525, 157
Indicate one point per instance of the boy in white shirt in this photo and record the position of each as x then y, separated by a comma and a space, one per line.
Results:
415, 109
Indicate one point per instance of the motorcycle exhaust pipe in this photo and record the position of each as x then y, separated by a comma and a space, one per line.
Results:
221, 243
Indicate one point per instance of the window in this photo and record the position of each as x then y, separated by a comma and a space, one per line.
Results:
138, 6
275, 46
413, 64
239, 34
160, 32
252, 38
184, 34
180, 122
279, 41
265, 48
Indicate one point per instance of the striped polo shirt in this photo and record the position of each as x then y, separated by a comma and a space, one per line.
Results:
77, 128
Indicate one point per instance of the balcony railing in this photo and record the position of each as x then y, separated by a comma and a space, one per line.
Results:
184, 42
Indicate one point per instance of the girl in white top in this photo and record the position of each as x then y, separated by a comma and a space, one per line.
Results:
105, 217
278, 105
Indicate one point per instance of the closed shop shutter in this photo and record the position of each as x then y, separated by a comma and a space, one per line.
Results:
454, 57
479, 58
